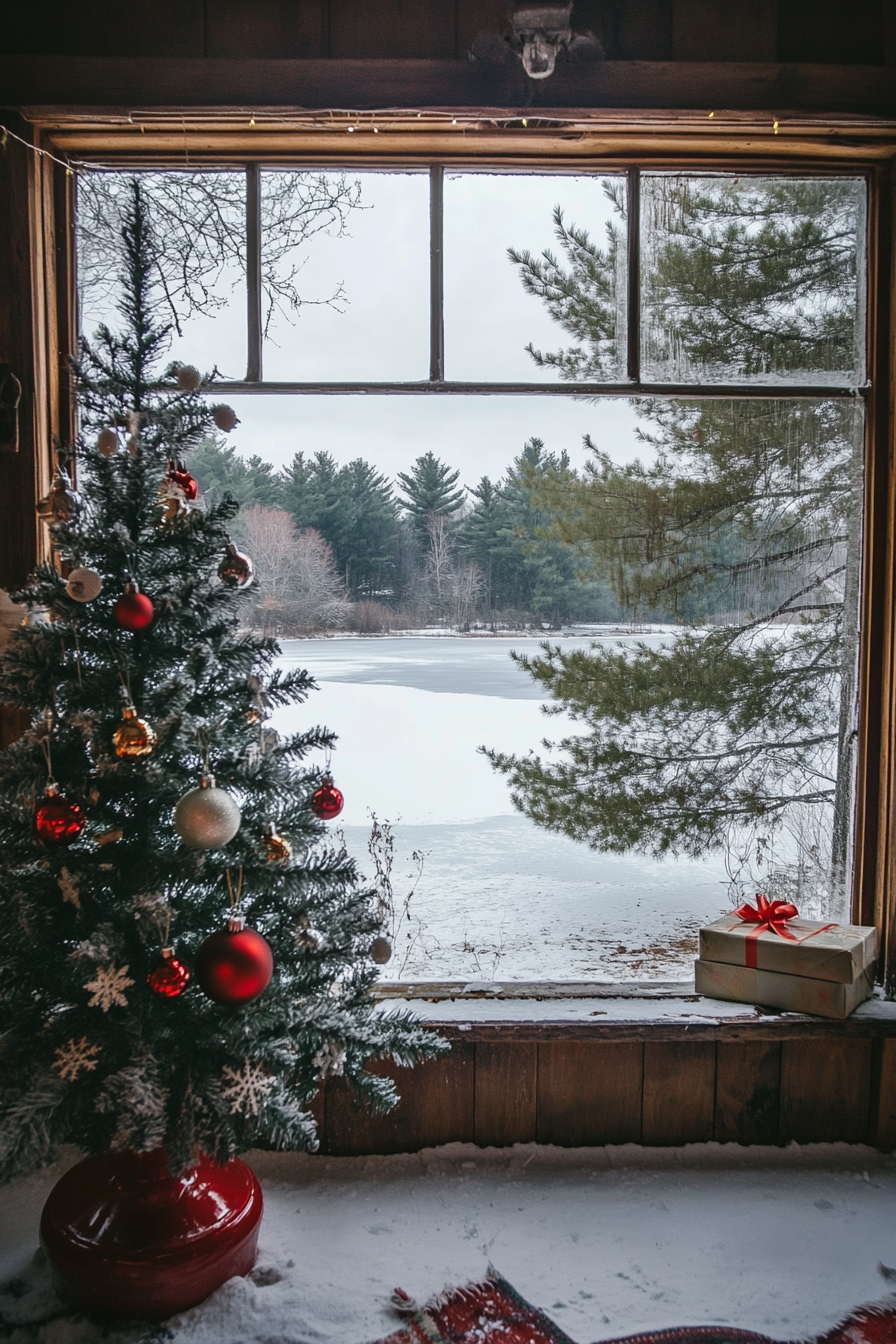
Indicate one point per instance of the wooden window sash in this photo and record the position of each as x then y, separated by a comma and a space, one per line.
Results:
871, 153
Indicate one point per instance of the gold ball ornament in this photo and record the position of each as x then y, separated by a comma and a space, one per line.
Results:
133, 738
171, 501
83, 585
207, 817
188, 378
107, 442
276, 848
225, 418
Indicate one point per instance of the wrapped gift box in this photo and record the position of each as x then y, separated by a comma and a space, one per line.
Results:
839, 952
793, 993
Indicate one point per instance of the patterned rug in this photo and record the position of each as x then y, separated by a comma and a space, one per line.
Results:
492, 1312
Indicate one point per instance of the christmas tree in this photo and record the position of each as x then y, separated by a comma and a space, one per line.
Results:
148, 801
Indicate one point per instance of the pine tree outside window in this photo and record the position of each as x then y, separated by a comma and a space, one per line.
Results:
727, 309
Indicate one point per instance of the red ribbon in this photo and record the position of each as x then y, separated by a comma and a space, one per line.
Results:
767, 915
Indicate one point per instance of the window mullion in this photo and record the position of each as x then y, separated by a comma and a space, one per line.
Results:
633, 271
436, 276
253, 273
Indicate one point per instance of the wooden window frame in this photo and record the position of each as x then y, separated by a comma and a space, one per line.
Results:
591, 142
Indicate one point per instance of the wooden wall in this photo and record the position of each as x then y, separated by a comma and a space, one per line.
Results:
822, 55
822, 1087
829, 31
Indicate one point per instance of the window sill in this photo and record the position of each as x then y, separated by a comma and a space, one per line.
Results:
669, 1011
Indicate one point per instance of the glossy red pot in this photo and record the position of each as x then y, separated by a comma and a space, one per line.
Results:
126, 1238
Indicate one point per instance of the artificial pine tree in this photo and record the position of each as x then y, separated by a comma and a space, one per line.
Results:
105, 1043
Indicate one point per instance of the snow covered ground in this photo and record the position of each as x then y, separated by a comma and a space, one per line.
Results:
496, 895
607, 1241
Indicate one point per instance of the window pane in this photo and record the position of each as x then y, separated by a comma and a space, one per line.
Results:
346, 276
524, 252
197, 248
752, 279
718, 560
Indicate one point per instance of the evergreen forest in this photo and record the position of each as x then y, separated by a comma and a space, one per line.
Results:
426, 548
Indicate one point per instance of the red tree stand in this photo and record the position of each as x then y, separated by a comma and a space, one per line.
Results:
126, 1238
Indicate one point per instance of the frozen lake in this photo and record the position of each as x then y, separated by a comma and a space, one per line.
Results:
494, 896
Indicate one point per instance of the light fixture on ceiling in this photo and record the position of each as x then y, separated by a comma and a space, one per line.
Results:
535, 35
539, 31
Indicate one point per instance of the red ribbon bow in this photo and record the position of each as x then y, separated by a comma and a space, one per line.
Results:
766, 915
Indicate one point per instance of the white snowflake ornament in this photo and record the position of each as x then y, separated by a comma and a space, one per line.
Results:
76, 1057
330, 1060
108, 988
246, 1088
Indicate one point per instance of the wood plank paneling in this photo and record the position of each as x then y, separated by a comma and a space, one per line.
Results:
644, 30
420, 29
704, 30
53, 26
748, 1092
163, 28
589, 1093
883, 1095
832, 31
825, 1091
475, 17
678, 1103
25, 471
267, 28
504, 1108
601, 18
436, 1106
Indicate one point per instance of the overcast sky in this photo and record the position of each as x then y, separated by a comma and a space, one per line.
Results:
381, 263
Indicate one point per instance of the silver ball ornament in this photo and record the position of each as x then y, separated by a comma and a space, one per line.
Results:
84, 585
207, 817
381, 950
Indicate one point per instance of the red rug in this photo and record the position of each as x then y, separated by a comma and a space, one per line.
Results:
492, 1312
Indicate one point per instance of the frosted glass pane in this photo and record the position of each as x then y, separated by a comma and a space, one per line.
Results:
752, 279
563, 295
198, 250
349, 298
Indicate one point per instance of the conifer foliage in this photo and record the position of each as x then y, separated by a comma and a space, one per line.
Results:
90, 1054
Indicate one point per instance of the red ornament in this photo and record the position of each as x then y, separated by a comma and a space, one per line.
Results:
168, 978
56, 820
133, 610
327, 802
126, 1238
234, 965
178, 473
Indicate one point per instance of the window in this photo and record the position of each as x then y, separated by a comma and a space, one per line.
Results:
651, 386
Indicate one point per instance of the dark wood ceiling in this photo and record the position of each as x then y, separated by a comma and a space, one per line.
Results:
859, 32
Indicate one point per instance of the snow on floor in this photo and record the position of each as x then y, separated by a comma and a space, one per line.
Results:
607, 1241
496, 895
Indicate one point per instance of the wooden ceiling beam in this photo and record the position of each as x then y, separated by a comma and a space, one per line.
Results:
146, 82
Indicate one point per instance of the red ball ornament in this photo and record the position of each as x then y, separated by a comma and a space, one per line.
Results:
133, 610
168, 978
327, 802
56, 820
178, 473
234, 965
